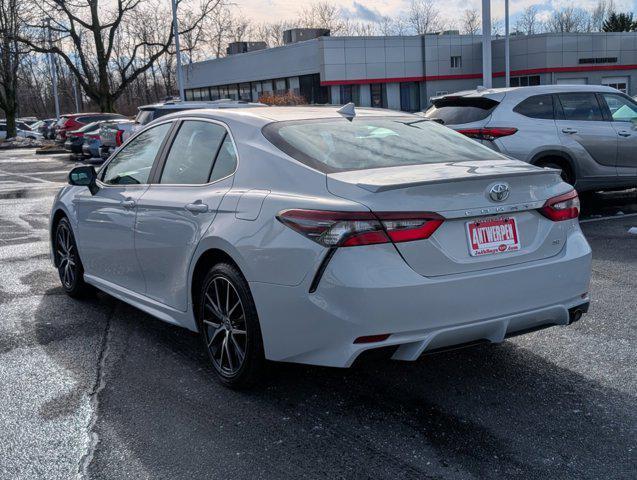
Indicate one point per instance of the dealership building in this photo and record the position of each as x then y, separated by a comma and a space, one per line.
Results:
404, 72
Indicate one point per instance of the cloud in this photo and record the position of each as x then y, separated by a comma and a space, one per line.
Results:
359, 11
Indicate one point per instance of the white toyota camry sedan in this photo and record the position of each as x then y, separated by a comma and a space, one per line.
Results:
312, 234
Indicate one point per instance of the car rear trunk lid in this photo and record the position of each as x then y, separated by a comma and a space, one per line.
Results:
460, 192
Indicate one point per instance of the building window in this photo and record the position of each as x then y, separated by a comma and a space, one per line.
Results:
280, 86
311, 89
620, 83
440, 93
349, 93
456, 61
233, 92
245, 93
410, 97
189, 95
378, 92
214, 93
526, 81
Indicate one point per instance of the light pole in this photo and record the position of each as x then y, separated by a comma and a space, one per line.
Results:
54, 77
180, 73
486, 44
507, 67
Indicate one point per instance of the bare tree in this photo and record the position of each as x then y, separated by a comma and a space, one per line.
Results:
221, 22
95, 30
470, 22
568, 19
323, 15
423, 17
10, 55
528, 22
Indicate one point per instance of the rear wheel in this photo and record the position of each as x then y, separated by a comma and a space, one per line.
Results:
67, 260
229, 327
566, 171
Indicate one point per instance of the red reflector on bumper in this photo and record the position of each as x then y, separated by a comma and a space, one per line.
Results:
372, 338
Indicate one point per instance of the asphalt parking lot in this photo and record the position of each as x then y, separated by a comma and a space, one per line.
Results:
98, 389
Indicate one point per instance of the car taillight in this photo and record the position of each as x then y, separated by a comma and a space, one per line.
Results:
562, 207
348, 229
119, 137
487, 133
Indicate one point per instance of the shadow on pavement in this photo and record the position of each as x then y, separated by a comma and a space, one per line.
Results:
486, 412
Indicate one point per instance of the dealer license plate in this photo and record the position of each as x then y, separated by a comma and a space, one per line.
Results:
498, 235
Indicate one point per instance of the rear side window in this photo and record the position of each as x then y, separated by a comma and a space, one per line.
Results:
144, 116
537, 106
337, 144
193, 153
580, 106
456, 111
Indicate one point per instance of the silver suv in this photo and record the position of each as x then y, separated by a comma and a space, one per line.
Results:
587, 131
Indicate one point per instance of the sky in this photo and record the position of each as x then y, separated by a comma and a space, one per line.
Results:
368, 10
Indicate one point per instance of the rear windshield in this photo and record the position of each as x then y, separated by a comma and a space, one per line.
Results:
336, 144
456, 111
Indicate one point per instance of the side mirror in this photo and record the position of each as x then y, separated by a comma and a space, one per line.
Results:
84, 176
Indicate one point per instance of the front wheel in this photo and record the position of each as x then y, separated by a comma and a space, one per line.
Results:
67, 260
229, 327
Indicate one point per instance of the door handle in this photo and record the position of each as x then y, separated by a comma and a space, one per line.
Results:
569, 130
128, 203
197, 207
624, 133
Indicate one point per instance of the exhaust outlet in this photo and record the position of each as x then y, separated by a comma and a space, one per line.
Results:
575, 313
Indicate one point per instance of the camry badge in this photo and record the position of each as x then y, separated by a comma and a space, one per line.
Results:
499, 192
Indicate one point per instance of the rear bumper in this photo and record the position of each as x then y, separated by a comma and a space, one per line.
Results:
371, 291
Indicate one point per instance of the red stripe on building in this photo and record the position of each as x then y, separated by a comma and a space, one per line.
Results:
468, 76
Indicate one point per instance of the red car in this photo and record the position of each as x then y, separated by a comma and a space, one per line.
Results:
75, 121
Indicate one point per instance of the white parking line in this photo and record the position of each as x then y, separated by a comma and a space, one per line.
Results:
608, 217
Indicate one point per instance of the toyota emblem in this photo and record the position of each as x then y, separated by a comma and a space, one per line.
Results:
499, 192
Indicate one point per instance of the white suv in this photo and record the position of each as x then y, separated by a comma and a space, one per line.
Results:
587, 131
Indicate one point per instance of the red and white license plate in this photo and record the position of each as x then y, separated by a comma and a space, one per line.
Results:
491, 236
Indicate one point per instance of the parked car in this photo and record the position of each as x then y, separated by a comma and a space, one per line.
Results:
28, 120
91, 149
75, 121
75, 139
42, 126
587, 131
20, 133
148, 113
310, 235
113, 134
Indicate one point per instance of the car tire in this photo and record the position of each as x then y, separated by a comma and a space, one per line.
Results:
229, 327
67, 261
567, 172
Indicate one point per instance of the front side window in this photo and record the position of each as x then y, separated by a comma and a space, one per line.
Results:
580, 106
621, 108
537, 106
193, 153
133, 163
337, 144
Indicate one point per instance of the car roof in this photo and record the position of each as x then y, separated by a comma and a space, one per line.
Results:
268, 114
534, 90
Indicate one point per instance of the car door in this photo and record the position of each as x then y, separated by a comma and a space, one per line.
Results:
622, 111
107, 219
586, 134
179, 206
